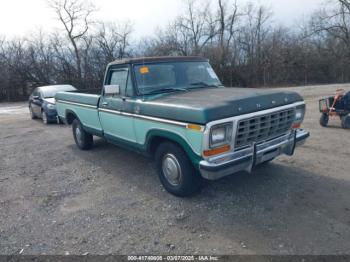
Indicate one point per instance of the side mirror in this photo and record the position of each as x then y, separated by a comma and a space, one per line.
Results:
36, 97
111, 90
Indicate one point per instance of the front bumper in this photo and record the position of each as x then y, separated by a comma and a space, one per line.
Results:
247, 159
51, 115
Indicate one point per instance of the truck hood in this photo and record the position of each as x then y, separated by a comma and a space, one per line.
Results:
202, 106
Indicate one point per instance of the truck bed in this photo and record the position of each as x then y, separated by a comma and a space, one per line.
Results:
78, 97
82, 105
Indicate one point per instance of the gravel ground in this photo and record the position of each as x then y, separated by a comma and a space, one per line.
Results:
55, 199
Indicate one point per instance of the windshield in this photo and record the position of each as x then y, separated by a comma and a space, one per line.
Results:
163, 77
50, 91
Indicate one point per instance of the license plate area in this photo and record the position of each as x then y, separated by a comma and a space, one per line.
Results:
270, 155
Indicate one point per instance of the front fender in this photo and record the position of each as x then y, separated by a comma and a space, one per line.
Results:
173, 137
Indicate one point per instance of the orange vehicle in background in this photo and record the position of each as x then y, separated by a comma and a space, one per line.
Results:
336, 106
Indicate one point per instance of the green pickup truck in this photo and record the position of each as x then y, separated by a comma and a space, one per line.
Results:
176, 110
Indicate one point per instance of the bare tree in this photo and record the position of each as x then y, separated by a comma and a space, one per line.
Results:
244, 47
113, 39
228, 18
228, 28
197, 24
254, 34
3, 69
332, 25
335, 22
75, 17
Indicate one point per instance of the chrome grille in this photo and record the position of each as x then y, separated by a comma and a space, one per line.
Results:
264, 127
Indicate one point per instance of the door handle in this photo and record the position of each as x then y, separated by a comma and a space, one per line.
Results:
105, 103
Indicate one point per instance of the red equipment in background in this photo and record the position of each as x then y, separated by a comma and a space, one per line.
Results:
335, 106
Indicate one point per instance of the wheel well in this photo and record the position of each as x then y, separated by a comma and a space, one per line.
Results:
156, 141
70, 116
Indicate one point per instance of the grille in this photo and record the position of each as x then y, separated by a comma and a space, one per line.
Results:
265, 127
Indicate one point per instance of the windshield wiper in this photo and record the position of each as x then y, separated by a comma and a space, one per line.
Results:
164, 90
204, 84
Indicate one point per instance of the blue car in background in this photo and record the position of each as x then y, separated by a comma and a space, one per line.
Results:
42, 102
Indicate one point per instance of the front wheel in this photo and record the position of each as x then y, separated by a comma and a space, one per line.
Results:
324, 120
44, 118
83, 139
345, 122
175, 170
59, 121
31, 112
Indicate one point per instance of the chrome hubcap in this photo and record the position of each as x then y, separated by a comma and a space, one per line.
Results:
78, 135
172, 170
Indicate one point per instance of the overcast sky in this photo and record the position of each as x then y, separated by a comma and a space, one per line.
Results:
20, 17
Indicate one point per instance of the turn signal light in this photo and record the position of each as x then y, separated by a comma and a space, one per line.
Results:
296, 126
195, 127
217, 151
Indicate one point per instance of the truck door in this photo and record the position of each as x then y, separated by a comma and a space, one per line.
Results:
115, 124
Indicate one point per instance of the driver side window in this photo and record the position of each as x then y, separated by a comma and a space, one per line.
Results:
120, 77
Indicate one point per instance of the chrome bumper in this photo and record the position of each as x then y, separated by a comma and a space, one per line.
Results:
247, 159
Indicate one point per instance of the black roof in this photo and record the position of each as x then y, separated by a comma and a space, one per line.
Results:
141, 60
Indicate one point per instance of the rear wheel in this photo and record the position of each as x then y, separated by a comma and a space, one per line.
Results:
83, 139
345, 122
324, 120
175, 170
31, 112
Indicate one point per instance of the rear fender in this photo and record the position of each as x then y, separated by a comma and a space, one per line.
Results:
70, 116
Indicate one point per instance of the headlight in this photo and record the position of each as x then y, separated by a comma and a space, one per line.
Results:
220, 135
299, 116
51, 106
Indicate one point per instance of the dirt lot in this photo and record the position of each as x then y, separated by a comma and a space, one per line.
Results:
55, 199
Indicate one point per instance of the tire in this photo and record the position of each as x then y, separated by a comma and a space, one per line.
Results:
44, 118
324, 120
59, 121
175, 170
31, 112
83, 140
345, 122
